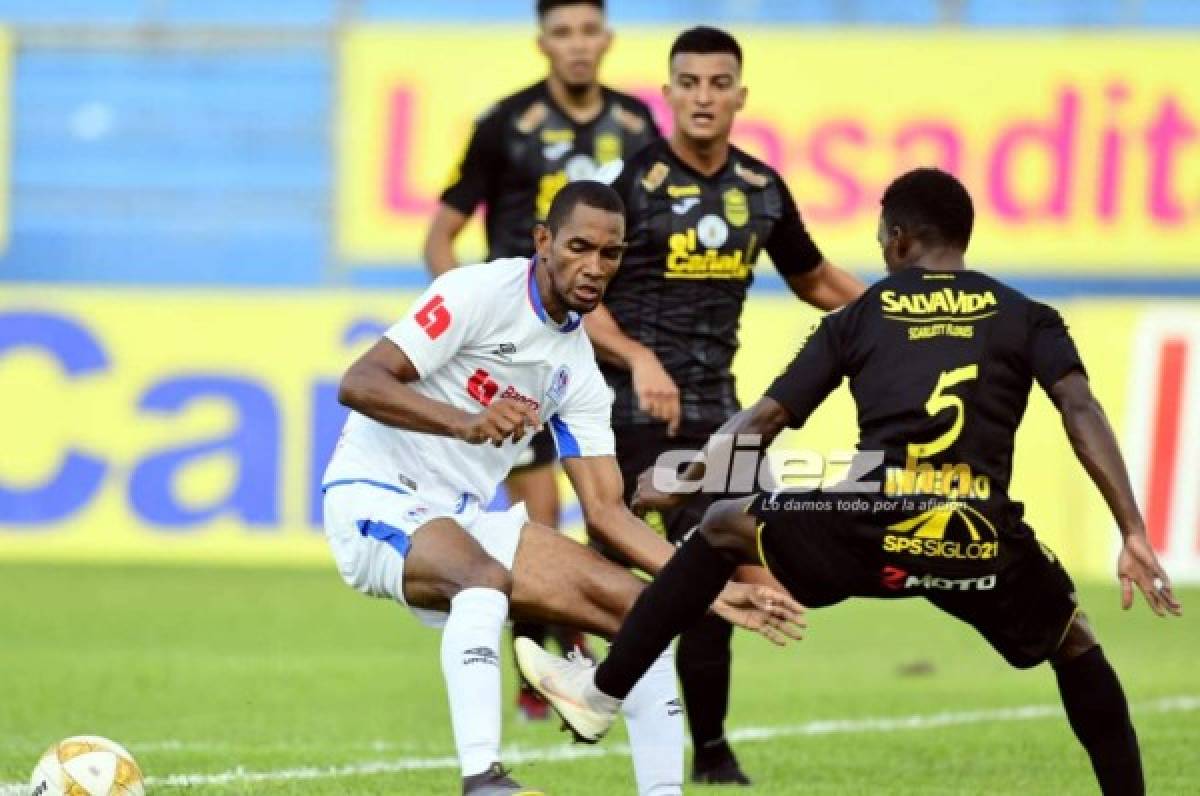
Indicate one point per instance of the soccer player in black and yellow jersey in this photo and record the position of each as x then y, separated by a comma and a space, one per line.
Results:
940, 361
563, 128
699, 211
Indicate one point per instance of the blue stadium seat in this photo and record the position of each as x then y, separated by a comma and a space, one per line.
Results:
250, 12
162, 167
321, 13
1169, 13
1046, 13
677, 12
91, 12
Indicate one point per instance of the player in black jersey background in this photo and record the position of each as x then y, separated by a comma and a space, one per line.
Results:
699, 212
940, 361
523, 149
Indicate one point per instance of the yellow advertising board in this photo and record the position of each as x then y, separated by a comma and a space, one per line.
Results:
195, 426
1082, 150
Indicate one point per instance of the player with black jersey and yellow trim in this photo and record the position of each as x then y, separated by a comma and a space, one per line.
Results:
699, 212
940, 361
564, 128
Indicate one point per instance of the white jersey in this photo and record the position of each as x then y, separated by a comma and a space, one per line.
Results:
478, 334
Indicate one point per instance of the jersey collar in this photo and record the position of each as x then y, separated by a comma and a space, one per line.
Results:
535, 301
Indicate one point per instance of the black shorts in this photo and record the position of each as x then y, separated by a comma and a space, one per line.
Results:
541, 451
824, 547
638, 447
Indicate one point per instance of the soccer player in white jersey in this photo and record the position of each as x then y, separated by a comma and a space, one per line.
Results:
442, 406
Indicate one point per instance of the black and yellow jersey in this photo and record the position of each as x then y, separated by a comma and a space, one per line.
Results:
693, 242
526, 147
940, 365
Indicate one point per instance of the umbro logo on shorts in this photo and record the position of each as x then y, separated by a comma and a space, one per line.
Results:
480, 655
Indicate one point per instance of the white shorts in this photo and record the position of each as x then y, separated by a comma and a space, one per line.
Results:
370, 527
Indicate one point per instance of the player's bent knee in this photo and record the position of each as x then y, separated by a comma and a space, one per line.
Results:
1079, 639
729, 529
488, 574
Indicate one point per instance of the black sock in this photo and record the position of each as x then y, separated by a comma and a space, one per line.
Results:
1099, 715
712, 755
679, 596
703, 661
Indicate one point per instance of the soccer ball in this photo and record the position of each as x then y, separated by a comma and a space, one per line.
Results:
86, 765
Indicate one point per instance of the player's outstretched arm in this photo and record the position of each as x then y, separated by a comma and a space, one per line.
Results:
447, 223
767, 610
597, 481
1096, 447
377, 386
656, 392
826, 287
764, 420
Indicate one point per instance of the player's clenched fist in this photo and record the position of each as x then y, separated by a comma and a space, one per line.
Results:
502, 420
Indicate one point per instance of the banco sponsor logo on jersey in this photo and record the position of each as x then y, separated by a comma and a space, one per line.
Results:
952, 530
897, 579
513, 394
944, 304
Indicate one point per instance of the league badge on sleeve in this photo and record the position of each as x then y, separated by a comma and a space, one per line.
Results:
557, 391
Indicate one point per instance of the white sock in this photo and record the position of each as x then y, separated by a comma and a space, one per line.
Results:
471, 665
598, 700
654, 719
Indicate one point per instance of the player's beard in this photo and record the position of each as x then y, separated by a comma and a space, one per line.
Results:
577, 89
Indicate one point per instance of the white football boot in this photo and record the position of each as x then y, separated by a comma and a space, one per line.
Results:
567, 685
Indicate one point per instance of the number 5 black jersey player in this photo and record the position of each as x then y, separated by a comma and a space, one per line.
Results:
941, 361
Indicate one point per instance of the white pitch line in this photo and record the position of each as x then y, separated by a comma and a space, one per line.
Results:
567, 752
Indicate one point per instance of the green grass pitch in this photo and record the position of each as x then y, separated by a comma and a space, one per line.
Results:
240, 681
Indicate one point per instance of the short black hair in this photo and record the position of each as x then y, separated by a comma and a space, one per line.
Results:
583, 192
931, 205
704, 40
544, 6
